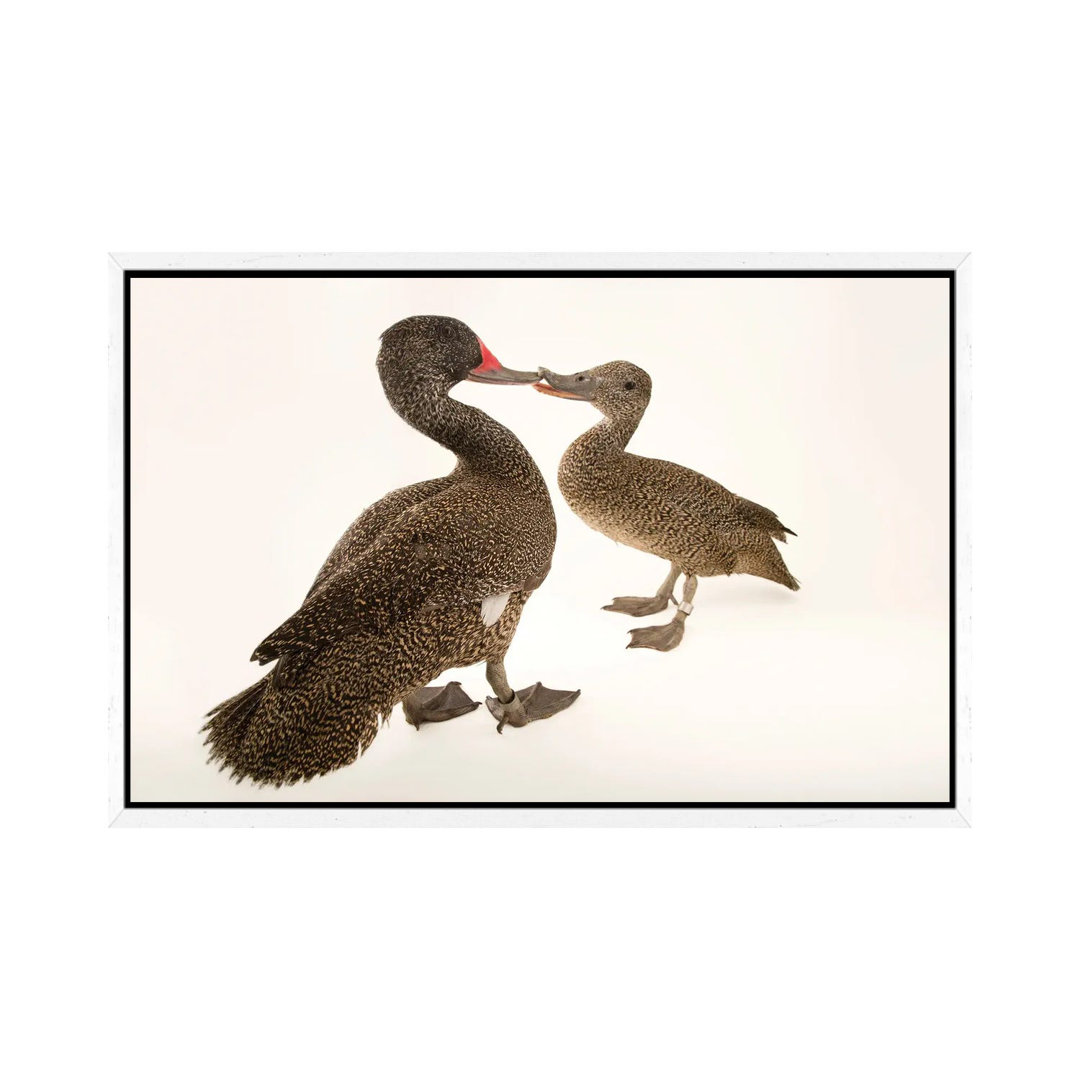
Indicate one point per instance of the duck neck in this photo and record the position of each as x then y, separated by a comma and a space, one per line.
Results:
612, 434
479, 442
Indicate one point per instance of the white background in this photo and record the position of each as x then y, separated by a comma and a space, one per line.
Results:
259, 430
835, 126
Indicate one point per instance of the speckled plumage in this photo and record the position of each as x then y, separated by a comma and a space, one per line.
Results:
657, 506
398, 600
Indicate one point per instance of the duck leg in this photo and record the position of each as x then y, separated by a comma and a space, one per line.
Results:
647, 605
518, 708
434, 704
665, 638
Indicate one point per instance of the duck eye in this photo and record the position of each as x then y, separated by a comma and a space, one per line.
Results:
629, 386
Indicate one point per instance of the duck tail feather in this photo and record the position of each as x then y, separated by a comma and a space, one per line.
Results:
284, 731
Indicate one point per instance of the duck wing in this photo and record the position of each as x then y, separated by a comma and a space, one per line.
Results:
761, 516
362, 533
462, 546
687, 497
680, 493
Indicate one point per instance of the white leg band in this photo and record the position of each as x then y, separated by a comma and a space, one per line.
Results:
686, 608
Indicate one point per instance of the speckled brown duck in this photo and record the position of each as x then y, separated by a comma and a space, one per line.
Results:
701, 528
431, 577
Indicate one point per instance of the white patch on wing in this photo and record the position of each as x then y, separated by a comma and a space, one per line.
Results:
492, 607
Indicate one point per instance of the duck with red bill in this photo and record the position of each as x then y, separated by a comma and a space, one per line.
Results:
431, 577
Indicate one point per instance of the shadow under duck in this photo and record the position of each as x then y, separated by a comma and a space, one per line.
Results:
694, 523
432, 576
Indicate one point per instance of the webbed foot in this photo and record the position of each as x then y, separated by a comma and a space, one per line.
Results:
638, 605
662, 638
533, 703
434, 704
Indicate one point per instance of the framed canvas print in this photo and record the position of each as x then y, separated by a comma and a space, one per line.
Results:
540, 539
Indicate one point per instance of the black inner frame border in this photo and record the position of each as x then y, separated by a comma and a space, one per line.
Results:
949, 275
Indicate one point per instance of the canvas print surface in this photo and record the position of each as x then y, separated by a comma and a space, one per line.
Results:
462, 539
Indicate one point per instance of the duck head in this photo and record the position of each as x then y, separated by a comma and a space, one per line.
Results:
436, 351
616, 389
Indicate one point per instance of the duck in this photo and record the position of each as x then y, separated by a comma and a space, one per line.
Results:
699, 527
433, 576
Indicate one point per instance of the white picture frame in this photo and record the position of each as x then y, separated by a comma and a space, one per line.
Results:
956, 813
